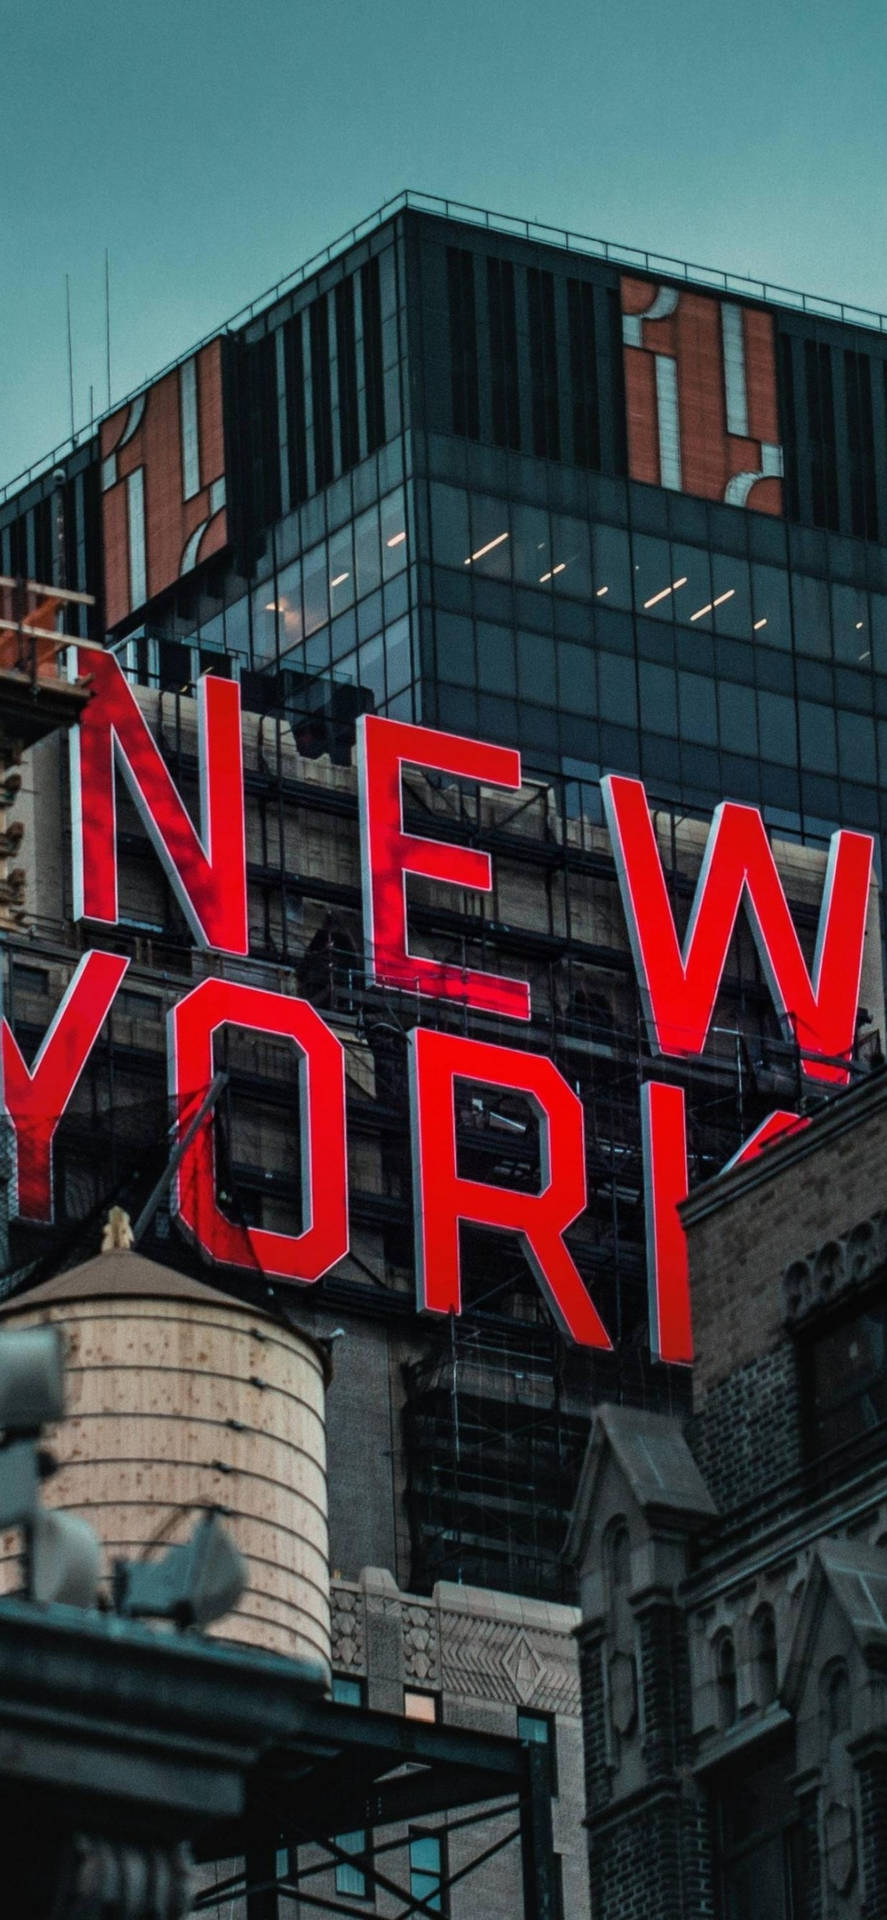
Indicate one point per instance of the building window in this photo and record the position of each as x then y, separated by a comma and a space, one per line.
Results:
189, 428
427, 1869
537, 1729
846, 1378
543, 364
29, 979
296, 423
419, 1706
505, 391
583, 374
463, 342
135, 518
725, 1680
834, 1695
348, 1692
352, 1878
617, 1554
374, 383
759, 1843
763, 1633
347, 364
821, 426
321, 392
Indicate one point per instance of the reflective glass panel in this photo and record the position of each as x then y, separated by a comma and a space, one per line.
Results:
878, 619
810, 604
315, 589
531, 554
771, 614
816, 726
535, 669
653, 578
341, 570
658, 697
398, 656
731, 595
693, 600
611, 566
850, 623
490, 550
617, 693
371, 668
697, 706
450, 538
737, 711
570, 556
289, 604
237, 625
777, 728
856, 747
392, 516
264, 623
495, 658
366, 552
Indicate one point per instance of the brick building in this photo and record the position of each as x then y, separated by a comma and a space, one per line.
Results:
734, 1565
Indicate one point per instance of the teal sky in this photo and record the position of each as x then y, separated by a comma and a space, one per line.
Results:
212, 145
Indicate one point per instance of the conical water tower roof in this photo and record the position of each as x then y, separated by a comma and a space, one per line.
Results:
123, 1274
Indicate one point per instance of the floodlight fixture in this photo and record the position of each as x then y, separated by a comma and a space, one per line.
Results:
192, 1585
32, 1379
65, 1559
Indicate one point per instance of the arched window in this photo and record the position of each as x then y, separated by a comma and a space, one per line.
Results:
617, 1555
725, 1680
763, 1636
834, 1694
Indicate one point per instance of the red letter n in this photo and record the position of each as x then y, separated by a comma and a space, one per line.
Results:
208, 874
442, 1198
679, 989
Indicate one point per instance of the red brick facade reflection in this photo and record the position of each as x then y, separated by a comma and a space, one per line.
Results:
701, 399
152, 532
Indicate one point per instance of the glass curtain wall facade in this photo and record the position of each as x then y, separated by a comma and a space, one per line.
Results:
432, 505
432, 452
521, 493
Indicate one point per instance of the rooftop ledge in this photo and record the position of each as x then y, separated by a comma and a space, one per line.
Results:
640, 259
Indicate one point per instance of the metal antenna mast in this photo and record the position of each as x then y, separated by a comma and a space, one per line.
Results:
70, 352
108, 323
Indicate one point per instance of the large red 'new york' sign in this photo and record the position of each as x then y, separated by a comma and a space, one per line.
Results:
679, 983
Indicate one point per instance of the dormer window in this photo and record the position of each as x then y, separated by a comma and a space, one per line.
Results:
846, 1377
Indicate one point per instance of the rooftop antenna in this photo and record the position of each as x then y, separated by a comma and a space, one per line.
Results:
70, 353
108, 324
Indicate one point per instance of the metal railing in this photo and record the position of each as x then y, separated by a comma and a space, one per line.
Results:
642, 259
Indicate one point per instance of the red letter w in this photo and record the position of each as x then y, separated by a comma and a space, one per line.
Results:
679, 988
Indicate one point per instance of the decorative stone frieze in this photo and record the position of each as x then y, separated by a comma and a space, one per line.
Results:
464, 1641
846, 1261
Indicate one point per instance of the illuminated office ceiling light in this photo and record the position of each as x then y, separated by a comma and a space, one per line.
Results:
665, 591
713, 603
487, 549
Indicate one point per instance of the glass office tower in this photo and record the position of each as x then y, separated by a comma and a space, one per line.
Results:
622, 513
